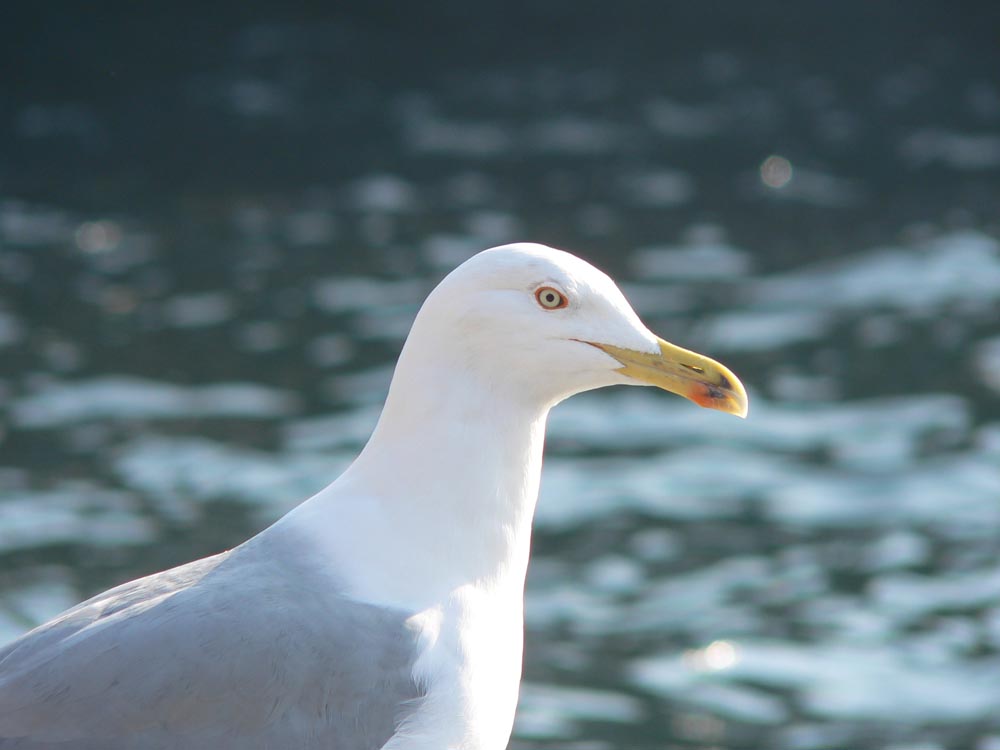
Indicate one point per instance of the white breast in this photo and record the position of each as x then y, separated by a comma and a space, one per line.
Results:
470, 666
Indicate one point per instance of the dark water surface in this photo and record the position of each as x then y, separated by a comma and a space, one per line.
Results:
215, 230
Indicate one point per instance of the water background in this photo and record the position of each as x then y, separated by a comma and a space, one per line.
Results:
217, 223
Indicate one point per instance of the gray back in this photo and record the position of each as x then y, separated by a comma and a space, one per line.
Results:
248, 649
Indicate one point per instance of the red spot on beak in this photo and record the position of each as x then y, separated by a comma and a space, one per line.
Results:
706, 395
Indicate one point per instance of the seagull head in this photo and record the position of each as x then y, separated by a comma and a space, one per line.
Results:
544, 324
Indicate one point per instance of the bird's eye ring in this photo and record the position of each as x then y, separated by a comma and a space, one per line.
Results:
550, 298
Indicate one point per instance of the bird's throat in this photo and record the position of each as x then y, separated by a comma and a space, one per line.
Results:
442, 496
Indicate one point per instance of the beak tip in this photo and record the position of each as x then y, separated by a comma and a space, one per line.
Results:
741, 406
737, 410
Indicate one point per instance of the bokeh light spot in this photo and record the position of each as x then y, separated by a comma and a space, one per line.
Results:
716, 656
776, 171
98, 236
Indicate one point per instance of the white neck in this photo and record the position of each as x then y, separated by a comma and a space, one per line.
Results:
441, 497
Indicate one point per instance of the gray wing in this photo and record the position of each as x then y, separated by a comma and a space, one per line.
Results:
239, 650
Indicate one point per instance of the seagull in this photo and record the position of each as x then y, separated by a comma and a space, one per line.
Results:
387, 610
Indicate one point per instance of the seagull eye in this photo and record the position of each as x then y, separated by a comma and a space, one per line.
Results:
550, 299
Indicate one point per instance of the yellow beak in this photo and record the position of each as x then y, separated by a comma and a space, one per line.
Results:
685, 373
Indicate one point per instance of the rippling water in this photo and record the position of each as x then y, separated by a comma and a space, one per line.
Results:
209, 260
